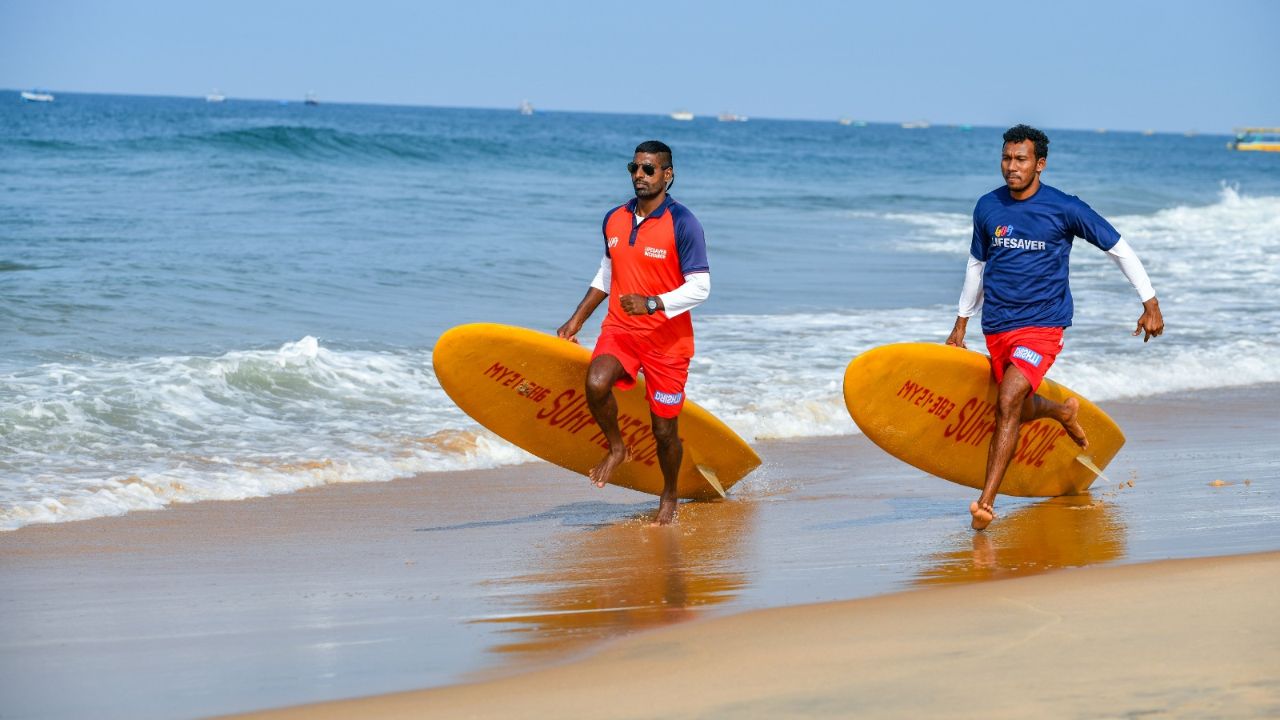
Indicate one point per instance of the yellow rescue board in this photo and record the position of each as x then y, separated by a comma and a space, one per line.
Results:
527, 387
933, 406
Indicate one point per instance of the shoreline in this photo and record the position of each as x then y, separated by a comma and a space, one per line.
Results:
365, 589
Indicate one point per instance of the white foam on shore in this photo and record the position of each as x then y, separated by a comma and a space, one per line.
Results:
107, 438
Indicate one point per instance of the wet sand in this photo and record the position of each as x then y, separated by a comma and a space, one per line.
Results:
351, 591
1180, 638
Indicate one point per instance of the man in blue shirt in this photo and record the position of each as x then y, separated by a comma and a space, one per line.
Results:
1019, 263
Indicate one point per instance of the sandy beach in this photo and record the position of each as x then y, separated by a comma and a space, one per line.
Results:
524, 585
1180, 638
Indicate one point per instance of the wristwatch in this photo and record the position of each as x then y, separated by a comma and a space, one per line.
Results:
651, 304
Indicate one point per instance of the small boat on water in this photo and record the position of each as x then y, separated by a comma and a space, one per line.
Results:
731, 117
915, 125
215, 97
1256, 140
37, 96
526, 107
311, 99
683, 115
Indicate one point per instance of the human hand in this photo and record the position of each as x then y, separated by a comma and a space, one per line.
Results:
1151, 323
956, 338
633, 304
569, 330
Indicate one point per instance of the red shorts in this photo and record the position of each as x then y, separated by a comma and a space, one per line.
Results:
664, 375
1031, 349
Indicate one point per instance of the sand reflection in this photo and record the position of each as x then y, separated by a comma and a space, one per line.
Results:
1056, 533
603, 582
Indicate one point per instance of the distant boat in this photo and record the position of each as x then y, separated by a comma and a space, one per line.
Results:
37, 96
683, 115
915, 125
731, 117
1256, 140
311, 99
1148, 133
526, 107
215, 97
845, 121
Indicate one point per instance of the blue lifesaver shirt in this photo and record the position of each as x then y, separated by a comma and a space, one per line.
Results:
1026, 245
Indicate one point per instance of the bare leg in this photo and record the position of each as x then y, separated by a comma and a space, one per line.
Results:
670, 452
604, 371
1015, 405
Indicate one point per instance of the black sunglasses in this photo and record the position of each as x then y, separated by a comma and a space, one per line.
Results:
648, 169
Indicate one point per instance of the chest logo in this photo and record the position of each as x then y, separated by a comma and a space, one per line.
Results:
613, 241
659, 253
1002, 237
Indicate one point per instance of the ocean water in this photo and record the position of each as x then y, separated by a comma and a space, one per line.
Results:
221, 301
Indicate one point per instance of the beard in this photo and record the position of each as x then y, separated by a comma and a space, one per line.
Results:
645, 193
1021, 185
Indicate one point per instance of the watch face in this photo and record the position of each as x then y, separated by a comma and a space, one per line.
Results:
651, 303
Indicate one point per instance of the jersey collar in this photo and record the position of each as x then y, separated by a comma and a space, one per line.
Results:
666, 203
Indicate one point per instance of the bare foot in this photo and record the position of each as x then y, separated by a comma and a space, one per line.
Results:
666, 511
1071, 424
982, 515
602, 473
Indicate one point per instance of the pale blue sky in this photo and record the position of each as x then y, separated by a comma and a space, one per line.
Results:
1173, 65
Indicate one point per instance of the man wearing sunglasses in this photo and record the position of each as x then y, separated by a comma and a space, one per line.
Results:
654, 271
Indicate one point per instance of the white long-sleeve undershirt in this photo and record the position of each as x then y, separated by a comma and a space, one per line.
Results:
1127, 260
971, 293
1121, 254
695, 290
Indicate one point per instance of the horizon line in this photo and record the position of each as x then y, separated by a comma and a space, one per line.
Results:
304, 96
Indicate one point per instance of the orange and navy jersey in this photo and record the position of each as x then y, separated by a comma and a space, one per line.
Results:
650, 259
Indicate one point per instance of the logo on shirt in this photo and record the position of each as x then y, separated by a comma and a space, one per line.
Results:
613, 241
1027, 354
1017, 243
1002, 236
655, 252
667, 398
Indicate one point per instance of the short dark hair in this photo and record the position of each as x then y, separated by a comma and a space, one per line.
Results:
656, 147
1022, 133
